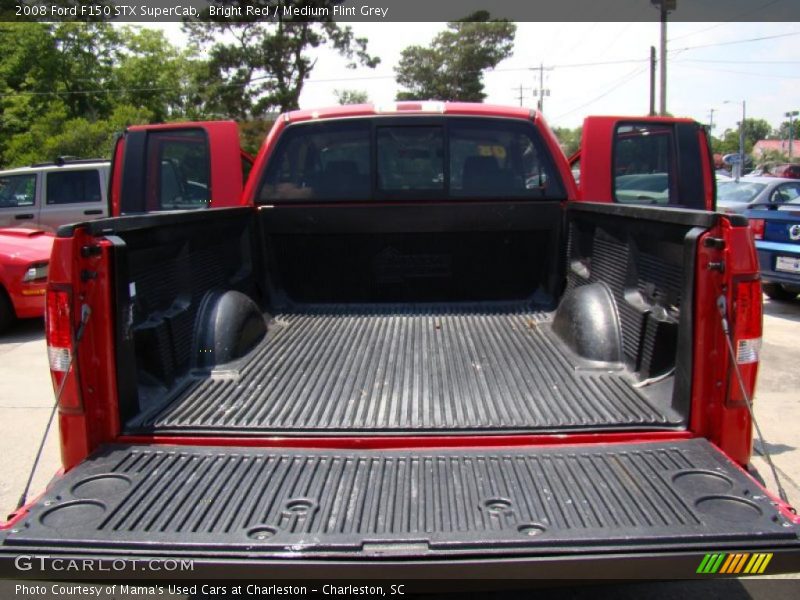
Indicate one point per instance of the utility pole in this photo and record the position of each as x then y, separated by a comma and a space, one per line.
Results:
738, 168
662, 101
741, 143
521, 93
664, 6
791, 114
541, 92
711, 119
652, 81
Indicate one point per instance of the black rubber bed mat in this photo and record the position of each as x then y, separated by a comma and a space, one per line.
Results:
279, 502
408, 370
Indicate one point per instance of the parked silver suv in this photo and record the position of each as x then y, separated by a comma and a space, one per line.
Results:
49, 195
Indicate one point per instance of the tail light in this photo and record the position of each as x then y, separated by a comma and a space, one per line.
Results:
746, 330
757, 227
58, 328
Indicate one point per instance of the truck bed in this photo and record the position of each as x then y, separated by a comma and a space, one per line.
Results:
392, 369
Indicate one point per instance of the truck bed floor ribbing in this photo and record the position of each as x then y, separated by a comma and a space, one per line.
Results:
405, 369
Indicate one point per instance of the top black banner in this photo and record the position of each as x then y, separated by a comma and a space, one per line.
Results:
398, 10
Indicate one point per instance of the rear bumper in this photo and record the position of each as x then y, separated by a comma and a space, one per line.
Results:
645, 565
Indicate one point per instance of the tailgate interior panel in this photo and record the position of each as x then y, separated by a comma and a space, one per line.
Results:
281, 502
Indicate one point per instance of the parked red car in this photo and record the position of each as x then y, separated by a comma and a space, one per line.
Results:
24, 259
791, 170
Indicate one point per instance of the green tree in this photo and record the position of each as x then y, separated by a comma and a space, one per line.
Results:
452, 67
754, 130
66, 88
568, 139
782, 132
256, 68
85, 55
351, 96
152, 74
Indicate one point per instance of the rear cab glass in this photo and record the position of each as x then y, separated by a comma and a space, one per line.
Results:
410, 158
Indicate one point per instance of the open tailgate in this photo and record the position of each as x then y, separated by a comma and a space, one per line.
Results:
654, 509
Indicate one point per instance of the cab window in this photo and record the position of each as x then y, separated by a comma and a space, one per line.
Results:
499, 159
644, 164
410, 159
178, 169
328, 161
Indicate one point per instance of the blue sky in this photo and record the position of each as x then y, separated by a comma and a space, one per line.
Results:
708, 64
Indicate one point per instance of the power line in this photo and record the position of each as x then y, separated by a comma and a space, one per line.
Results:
749, 73
731, 42
745, 13
575, 65
739, 62
617, 84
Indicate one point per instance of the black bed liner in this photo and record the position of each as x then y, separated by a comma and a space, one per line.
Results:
290, 503
405, 368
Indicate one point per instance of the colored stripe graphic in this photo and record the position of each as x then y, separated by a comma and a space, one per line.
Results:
740, 563
767, 558
734, 563
727, 564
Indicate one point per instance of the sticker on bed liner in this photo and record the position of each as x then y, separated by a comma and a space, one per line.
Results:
734, 563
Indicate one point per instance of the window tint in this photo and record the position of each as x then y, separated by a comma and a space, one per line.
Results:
182, 165
498, 159
785, 193
320, 162
17, 190
73, 187
644, 164
410, 159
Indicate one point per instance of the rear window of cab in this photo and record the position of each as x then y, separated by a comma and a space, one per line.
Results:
410, 158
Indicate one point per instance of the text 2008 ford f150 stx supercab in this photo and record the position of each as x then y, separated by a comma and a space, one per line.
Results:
413, 345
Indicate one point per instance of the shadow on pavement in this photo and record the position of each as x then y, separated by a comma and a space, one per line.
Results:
24, 330
789, 310
774, 449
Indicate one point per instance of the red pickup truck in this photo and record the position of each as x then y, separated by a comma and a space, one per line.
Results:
412, 346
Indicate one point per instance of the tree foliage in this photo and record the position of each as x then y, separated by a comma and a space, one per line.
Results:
258, 67
782, 131
351, 96
452, 67
754, 130
568, 139
67, 88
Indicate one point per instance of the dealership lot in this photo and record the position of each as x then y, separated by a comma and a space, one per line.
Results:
26, 399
